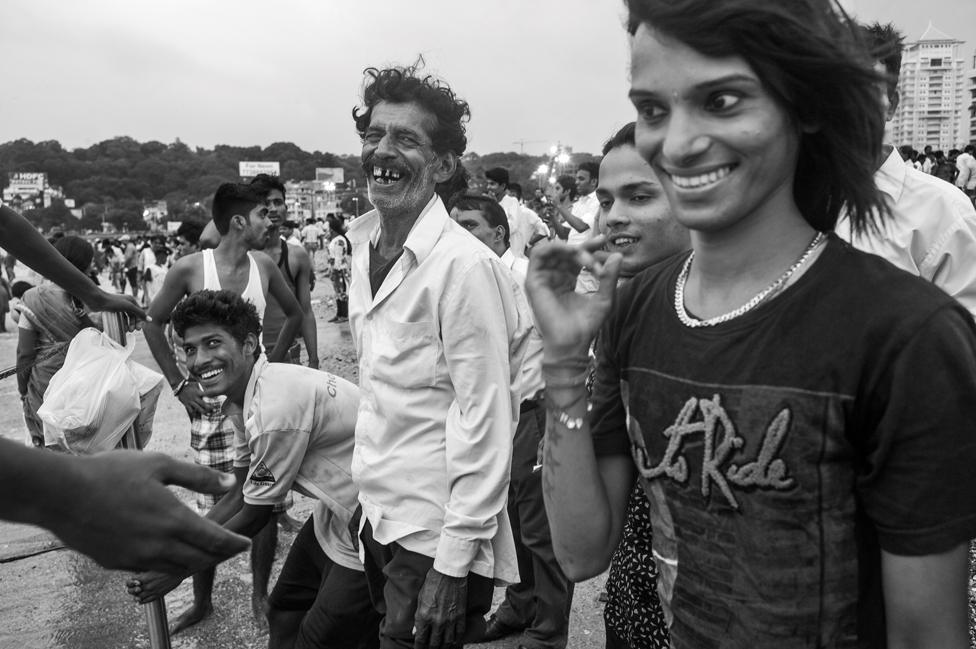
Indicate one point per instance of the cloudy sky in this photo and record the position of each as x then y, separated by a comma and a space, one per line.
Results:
255, 72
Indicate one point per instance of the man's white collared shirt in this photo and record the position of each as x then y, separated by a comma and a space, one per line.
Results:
532, 382
586, 208
440, 350
523, 225
931, 231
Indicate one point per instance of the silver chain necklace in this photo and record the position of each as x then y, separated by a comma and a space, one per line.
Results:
689, 321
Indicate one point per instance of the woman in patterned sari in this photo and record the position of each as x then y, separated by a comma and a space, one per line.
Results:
50, 319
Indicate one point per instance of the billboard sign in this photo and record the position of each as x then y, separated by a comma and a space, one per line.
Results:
252, 169
26, 183
330, 174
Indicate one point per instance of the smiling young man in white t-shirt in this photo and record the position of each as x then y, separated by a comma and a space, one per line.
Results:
295, 430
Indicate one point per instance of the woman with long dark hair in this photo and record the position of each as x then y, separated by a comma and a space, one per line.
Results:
800, 411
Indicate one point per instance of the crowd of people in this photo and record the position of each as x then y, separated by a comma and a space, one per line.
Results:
733, 363
958, 167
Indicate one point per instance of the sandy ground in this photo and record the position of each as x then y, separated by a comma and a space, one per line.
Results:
61, 599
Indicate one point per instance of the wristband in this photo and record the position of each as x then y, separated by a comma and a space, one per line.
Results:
179, 386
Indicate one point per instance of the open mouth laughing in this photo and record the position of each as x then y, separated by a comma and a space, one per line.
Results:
621, 242
701, 181
385, 175
209, 375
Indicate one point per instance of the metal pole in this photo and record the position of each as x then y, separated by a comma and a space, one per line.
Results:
115, 327
158, 628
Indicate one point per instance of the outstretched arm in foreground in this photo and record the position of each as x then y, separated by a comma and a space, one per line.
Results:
25, 243
115, 507
577, 486
232, 513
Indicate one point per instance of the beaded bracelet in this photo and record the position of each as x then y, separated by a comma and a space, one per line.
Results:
565, 419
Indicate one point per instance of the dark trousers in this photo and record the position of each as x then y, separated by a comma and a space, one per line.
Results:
395, 576
541, 602
341, 295
335, 600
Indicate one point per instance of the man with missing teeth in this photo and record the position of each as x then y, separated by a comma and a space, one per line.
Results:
440, 329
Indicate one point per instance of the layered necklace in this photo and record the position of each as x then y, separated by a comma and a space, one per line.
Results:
689, 321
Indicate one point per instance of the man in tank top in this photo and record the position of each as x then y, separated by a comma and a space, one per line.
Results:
241, 218
295, 266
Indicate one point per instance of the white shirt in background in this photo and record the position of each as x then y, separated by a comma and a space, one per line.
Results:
586, 208
532, 382
931, 231
967, 171
154, 283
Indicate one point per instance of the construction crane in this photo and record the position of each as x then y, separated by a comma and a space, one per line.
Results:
522, 144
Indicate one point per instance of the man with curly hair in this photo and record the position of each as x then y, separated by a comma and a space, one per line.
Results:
294, 430
440, 329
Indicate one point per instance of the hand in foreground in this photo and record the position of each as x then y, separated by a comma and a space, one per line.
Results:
567, 320
441, 608
147, 586
104, 301
116, 509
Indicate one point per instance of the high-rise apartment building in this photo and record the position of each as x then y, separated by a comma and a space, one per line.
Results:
310, 199
935, 94
970, 111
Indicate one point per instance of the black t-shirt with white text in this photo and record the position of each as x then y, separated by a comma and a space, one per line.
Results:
783, 449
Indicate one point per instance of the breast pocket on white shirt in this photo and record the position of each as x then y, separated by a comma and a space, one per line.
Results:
405, 354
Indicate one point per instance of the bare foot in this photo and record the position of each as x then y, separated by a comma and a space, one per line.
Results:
190, 616
259, 607
148, 586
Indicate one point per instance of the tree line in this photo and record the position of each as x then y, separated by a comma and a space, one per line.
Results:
110, 181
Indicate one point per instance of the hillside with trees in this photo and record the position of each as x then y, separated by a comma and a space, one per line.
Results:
113, 179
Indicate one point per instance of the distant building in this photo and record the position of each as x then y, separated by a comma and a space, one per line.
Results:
310, 199
27, 190
935, 94
971, 112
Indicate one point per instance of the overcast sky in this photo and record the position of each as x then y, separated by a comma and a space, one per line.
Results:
253, 72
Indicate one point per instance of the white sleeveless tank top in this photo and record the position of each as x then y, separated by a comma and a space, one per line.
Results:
253, 292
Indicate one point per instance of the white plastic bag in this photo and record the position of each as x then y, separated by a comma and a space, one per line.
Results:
95, 396
150, 384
